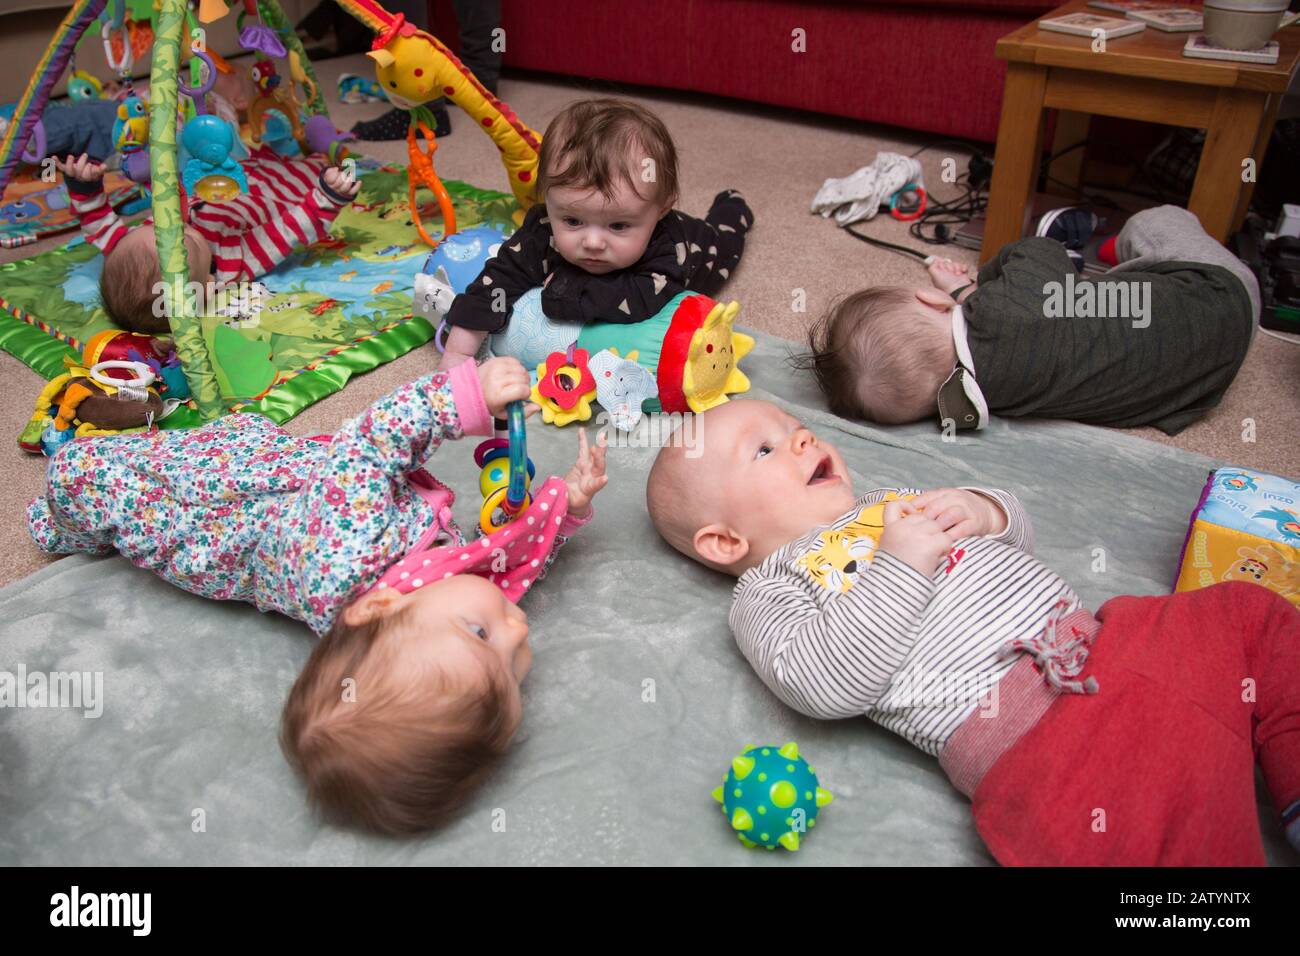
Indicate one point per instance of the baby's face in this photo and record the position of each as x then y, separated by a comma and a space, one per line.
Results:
237, 88
601, 235
467, 625
777, 479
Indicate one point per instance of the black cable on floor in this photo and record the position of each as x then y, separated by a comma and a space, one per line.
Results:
938, 225
893, 247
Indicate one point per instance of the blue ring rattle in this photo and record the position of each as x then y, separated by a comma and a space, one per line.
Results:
505, 491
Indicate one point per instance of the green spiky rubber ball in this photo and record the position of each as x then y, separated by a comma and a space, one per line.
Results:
770, 796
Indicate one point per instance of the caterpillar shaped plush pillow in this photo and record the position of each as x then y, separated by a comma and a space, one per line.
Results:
690, 351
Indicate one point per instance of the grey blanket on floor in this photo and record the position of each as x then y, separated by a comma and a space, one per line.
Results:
183, 767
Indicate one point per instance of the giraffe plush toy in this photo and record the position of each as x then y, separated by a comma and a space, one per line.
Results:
413, 68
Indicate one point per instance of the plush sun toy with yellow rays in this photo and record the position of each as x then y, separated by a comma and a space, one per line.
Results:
712, 368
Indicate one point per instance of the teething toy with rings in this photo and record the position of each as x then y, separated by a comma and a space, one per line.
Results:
905, 209
507, 472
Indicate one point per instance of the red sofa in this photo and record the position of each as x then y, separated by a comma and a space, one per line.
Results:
927, 65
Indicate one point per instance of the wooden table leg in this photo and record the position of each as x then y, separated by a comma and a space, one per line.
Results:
1067, 172
1231, 137
1015, 165
1260, 150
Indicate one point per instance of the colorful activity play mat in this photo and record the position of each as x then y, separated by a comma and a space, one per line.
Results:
338, 308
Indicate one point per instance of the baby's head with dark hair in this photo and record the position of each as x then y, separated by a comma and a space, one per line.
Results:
599, 143
130, 284
407, 704
127, 289
607, 174
881, 354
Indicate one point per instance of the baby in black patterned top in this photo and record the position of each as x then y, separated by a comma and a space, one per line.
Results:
605, 243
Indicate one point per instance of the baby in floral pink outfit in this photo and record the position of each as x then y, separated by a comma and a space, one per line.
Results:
413, 691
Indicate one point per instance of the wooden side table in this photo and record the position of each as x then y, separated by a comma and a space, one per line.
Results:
1145, 77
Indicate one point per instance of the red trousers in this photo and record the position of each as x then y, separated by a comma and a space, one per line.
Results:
1158, 767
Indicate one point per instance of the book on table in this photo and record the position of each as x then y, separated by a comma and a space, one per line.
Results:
1091, 25
1136, 6
1182, 20
1198, 46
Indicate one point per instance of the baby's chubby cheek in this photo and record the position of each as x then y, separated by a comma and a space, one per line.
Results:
634, 244
629, 256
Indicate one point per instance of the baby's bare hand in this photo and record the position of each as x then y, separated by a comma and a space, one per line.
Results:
947, 275
914, 538
504, 380
961, 513
342, 181
81, 167
587, 476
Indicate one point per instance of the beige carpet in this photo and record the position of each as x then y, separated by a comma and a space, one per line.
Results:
778, 159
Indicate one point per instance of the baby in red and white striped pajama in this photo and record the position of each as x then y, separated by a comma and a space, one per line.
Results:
290, 203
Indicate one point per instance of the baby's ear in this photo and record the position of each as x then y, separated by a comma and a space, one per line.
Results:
720, 545
935, 299
368, 607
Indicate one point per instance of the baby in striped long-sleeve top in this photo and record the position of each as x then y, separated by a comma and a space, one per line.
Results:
290, 203
928, 613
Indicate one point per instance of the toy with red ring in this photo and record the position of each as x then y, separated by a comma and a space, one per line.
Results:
507, 472
565, 387
1106, 251
912, 209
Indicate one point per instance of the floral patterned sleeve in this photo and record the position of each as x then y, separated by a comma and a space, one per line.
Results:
340, 533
